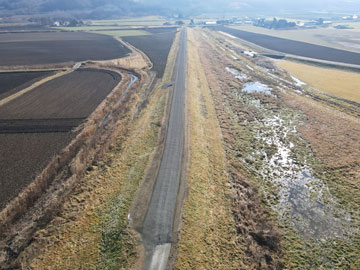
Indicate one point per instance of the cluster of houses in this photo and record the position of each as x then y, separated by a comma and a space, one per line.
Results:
68, 23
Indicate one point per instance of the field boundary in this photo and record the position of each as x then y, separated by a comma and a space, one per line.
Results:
33, 86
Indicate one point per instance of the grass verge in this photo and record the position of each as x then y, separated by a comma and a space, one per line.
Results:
207, 238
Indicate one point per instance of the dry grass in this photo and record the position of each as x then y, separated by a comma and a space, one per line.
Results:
124, 33
207, 238
257, 237
343, 84
136, 60
334, 136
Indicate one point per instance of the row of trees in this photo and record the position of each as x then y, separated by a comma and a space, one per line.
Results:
275, 24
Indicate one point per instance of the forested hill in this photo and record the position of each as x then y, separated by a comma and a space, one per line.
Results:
85, 8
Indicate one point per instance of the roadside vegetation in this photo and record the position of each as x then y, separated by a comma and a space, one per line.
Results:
207, 238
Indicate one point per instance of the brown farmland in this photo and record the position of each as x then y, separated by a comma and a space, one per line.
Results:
293, 47
36, 126
11, 82
23, 156
156, 47
74, 95
20, 49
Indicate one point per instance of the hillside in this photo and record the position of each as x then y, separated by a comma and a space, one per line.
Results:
80, 8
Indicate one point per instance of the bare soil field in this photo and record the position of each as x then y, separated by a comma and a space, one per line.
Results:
22, 49
157, 30
343, 39
74, 95
156, 47
21, 27
23, 156
19, 80
295, 47
36, 125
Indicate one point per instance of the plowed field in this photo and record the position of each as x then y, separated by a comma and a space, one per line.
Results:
11, 80
21, 49
156, 47
293, 47
74, 95
37, 125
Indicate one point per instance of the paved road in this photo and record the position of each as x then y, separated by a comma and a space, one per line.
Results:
158, 224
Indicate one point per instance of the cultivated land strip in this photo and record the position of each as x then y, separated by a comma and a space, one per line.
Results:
158, 224
28, 89
302, 50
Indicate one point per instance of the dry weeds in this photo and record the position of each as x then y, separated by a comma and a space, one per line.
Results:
224, 225
343, 84
334, 137
207, 238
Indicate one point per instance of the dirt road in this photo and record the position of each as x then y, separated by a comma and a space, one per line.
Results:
158, 224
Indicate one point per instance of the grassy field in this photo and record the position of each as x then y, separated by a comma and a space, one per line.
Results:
117, 31
207, 239
329, 37
339, 83
148, 20
91, 28
141, 21
124, 33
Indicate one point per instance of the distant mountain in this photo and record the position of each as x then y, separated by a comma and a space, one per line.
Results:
80, 8
116, 8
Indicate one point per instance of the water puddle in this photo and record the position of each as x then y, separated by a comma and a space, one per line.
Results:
256, 87
297, 81
299, 195
228, 35
237, 74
